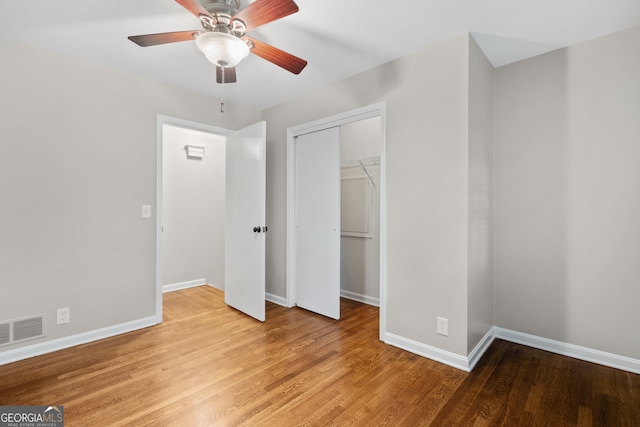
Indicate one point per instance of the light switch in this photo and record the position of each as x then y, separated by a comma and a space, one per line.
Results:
146, 211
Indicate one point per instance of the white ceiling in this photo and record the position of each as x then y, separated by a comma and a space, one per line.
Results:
338, 38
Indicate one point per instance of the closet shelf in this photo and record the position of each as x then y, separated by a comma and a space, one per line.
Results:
363, 163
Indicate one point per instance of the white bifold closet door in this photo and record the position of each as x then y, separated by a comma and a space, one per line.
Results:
245, 170
317, 222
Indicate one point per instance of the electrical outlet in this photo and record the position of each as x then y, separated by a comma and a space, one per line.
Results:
443, 326
63, 315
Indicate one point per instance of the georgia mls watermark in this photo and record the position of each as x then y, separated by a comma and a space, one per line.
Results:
31, 416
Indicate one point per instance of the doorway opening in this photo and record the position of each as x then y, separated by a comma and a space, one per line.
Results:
168, 127
360, 186
239, 229
193, 208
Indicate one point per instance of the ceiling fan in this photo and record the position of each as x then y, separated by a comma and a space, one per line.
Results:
224, 41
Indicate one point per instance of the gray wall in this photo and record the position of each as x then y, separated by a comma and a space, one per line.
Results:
480, 269
77, 161
567, 195
427, 176
193, 212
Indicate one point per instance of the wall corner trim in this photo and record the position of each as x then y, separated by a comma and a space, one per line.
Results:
482, 346
577, 352
74, 340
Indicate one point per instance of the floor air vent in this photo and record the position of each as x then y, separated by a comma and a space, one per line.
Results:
14, 331
5, 328
28, 328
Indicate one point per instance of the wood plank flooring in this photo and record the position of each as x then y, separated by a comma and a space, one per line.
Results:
209, 365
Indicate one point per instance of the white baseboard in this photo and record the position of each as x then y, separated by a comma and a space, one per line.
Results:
276, 299
452, 359
468, 363
437, 354
74, 340
477, 353
360, 297
433, 353
571, 350
183, 285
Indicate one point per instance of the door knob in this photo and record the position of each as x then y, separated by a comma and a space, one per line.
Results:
257, 229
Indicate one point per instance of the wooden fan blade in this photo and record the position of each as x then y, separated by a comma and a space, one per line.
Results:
262, 12
279, 57
163, 38
196, 9
229, 74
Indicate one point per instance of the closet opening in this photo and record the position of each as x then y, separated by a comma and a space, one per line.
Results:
341, 224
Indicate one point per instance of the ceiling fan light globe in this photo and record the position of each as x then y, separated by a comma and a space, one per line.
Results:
224, 50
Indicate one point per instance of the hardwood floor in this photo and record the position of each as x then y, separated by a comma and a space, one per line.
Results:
209, 365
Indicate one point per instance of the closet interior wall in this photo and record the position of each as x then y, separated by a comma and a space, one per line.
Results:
360, 210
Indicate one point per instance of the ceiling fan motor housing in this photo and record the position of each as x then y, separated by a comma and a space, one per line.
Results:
232, 6
222, 11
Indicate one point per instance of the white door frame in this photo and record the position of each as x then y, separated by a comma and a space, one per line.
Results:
374, 110
173, 121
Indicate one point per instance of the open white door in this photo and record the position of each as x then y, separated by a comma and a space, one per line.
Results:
244, 287
317, 222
